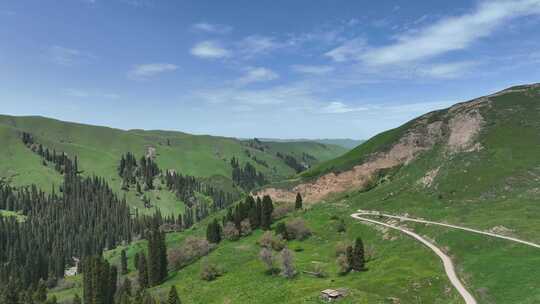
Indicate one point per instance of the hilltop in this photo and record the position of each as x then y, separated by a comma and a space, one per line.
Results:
99, 150
347, 143
474, 164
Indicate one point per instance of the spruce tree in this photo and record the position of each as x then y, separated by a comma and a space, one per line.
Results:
113, 279
173, 296
350, 256
123, 262
162, 256
136, 260
213, 232
266, 212
157, 257
298, 202
358, 260
143, 271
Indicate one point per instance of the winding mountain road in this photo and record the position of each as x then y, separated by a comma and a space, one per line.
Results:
447, 262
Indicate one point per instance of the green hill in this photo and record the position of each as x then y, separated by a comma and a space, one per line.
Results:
475, 164
99, 150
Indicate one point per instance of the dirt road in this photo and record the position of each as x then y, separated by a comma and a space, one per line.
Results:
447, 262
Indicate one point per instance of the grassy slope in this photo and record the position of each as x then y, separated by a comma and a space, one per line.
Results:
99, 150
400, 269
498, 185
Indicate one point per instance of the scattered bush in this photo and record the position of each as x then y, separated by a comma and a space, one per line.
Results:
230, 232
192, 249
245, 227
341, 248
209, 271
343, 264
281, 229
297, 229
369, 253
282, 210
267, 257
271, 241
287, 262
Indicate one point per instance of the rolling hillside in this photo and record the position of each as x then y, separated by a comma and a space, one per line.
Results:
475, 164
99, 150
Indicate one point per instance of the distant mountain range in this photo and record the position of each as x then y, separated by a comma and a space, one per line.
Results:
343, 142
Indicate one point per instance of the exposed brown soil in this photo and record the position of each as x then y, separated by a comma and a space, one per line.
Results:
461, 124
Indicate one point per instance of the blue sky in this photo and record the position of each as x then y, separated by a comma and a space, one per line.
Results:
288, 69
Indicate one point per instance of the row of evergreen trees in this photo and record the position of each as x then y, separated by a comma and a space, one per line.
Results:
185, 187
246, 177
82, 217
258, 212
83, 220
292, 162
134, 173
100, 279
59, 159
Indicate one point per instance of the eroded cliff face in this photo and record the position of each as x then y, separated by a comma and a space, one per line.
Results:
457, 129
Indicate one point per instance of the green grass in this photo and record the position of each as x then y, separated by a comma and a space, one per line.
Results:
99, 149
498, 185
401, 268
6, 213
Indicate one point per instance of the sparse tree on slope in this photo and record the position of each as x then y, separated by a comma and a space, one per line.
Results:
358, 260
298, 202
123, 262
173, 296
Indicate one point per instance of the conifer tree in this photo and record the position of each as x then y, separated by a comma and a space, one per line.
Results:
123, 262
173, 296
113, 279
213, 232
350, 256
143, 271
358, 260
298, 202
136, 260
157, 257
266, 212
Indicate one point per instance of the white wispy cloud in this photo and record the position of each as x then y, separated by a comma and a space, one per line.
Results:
447, 70
445, 35
338, 107
312, 69
276, 95
350, 50
68, 56
257, 74
212, 28
145, 71
256, 44
210, 49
